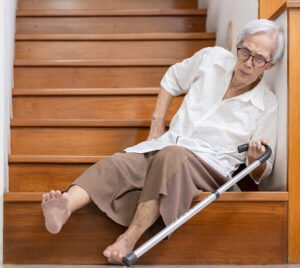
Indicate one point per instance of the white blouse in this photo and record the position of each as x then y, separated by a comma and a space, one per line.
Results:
210, 127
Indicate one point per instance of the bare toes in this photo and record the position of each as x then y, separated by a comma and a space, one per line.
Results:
52, 194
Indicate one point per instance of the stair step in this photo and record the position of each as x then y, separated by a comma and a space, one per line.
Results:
116, 12
81, 123
84, 91
100, 62
88, 110
103, 4
227, 196
144, 52
55, 159
119, 36
75, 140
231, 226
110, 24
89, 77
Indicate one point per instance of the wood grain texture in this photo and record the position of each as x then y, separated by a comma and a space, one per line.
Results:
43, 177
74, 159
74, 141
118, 36
151, 91
88, 77
94, 50
220, 231
103, 4
271, 9
110, 24
293, 3
294, 136
115, 13
20, 197
93, 107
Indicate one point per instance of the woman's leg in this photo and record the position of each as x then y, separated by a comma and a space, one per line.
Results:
58, 206
146, 214
164, 164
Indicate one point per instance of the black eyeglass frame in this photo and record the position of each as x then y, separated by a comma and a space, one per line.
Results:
253, 56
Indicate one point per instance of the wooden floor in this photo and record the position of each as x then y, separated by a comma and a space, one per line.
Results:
157, 266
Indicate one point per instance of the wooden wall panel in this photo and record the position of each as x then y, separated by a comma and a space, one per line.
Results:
294, 136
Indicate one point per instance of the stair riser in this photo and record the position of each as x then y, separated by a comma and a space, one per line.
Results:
110, 25
93, 107
91, 50
87, 77
103, 4
224, 233
43, 177
74, 141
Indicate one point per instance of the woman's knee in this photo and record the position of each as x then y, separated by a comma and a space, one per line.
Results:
173, 153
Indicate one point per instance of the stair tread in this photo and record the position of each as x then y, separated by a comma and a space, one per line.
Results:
120, 12
98, 62
118, 36
76, 159
228, 196
82, 122
84, 91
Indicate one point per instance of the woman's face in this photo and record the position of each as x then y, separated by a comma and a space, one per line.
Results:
261, 46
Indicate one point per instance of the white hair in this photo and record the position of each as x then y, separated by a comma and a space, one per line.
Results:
265, 26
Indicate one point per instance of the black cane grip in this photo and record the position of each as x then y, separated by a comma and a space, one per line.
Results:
244, 148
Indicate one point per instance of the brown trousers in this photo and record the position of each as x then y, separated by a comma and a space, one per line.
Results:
174, 175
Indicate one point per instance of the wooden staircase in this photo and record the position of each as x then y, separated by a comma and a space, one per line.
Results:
86, 78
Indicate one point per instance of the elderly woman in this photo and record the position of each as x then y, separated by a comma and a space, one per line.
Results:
227, 103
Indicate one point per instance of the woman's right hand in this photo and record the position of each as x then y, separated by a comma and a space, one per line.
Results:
157, 129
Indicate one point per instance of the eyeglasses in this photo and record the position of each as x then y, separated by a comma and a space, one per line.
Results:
244, 54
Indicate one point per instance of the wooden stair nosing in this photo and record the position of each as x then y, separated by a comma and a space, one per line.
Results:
108, 13
121, 36
228, 196
84, 91
55, 159
98, 62
82, 122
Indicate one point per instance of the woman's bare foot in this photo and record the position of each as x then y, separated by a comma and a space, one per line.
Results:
115, 252
56, 208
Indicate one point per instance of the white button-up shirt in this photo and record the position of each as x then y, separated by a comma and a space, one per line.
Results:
206, 124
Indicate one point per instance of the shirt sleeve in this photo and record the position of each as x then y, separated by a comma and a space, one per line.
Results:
267, 129
180, 76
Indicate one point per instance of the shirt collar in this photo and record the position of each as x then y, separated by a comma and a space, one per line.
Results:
255, 95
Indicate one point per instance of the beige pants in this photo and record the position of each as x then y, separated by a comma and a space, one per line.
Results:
118, 183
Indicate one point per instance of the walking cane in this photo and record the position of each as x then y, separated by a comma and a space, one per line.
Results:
129, 259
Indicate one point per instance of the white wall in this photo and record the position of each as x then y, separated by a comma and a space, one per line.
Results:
7, 32
277, 79
220, 13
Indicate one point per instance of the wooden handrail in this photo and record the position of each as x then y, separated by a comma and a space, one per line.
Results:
271, 9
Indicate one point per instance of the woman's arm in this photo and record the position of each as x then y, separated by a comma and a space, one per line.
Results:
158, 118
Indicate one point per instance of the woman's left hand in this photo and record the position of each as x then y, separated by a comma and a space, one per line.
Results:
256, 149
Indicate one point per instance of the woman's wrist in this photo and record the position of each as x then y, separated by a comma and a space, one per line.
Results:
157, 118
